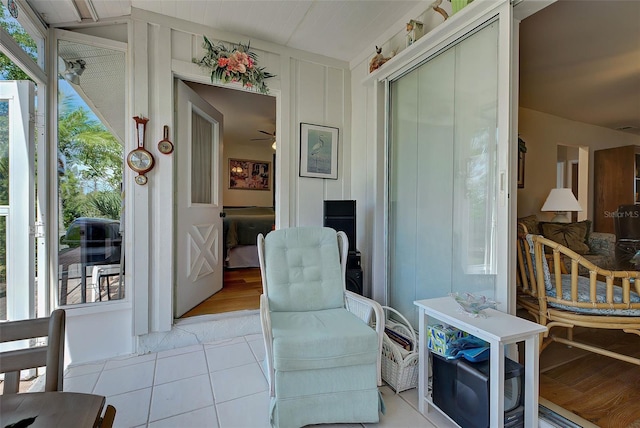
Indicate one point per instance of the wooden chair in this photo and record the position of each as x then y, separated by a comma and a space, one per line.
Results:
108, 418
50, 355
560, 297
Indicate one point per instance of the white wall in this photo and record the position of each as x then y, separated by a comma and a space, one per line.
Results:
308, 88
543, 133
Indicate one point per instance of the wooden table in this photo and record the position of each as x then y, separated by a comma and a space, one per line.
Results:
53, 409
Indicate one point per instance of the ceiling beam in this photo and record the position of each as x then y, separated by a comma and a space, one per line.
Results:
92, 10
76, 11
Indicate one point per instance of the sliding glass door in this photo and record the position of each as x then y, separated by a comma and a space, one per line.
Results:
444, 180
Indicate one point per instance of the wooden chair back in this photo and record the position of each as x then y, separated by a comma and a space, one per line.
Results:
628, 280
526, 281
50, 355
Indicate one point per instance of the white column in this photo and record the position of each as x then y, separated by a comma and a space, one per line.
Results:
20, 221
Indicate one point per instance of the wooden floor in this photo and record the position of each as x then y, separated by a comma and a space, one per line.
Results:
600, 389
242, 289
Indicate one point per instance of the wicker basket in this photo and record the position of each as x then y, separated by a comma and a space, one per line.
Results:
399, 366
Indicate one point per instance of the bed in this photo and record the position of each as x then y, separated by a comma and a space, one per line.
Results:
241, 227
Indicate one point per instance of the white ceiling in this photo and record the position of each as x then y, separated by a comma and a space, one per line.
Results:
580, 59
335, 28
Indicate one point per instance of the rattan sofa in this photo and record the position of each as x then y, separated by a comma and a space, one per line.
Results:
605, 299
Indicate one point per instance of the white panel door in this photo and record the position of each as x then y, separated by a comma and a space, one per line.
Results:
199, 256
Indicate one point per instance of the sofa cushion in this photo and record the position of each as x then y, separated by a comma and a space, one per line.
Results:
531, 223
574, 236
321, 339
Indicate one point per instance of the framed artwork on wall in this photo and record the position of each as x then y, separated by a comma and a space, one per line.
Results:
247, 174
522, 150
318, 151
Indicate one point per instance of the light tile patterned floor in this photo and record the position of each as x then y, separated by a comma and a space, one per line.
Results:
220, 384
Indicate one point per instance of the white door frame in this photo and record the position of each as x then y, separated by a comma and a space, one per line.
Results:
186, 72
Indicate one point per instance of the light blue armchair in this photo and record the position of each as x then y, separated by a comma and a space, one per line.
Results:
323, 343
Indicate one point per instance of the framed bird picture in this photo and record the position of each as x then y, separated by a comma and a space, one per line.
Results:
318, 151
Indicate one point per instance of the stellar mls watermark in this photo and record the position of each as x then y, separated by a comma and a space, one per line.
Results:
623, 214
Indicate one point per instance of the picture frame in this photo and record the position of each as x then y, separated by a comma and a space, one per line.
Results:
318, 151
246, 174
521, 169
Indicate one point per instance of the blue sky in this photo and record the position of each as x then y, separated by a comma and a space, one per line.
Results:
75, 101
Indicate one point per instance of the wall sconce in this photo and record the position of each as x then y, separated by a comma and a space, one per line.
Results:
561, 201
74, 70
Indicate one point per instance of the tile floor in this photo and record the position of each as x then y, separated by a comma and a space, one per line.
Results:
217, 384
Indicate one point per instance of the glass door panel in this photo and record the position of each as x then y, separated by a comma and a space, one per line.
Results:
91, 131
202, 169
443, 174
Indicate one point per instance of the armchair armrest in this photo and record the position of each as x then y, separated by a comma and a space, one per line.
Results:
265, 321
370, 312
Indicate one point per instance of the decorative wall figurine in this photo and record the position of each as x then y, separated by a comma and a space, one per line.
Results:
436, 6
378, 60
414, 31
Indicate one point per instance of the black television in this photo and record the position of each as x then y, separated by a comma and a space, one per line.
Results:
341, 216
461, 390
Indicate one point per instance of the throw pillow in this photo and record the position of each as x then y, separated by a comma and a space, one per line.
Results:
531, 223
572, 235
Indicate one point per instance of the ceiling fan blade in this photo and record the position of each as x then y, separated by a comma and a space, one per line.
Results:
260, 139
268, 133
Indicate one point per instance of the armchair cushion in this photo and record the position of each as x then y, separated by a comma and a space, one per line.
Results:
304, 271
601, 293
321, 339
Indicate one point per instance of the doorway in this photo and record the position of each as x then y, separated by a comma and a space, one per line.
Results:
573, 173
248, 192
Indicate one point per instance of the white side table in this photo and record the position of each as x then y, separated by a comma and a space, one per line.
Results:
499, 329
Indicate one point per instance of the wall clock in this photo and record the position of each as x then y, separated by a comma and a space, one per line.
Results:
140, 160
165, 145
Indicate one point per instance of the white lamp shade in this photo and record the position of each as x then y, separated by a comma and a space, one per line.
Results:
561, 200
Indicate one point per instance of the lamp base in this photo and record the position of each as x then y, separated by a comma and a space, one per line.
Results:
561, 217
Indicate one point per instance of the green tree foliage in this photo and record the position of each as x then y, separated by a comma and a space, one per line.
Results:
106, 203
93, 171
9, 70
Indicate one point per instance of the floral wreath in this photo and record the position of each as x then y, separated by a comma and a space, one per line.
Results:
236, 64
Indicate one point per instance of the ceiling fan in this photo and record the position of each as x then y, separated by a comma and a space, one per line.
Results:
272, 137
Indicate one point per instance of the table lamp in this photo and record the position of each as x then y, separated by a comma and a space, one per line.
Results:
561, 201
